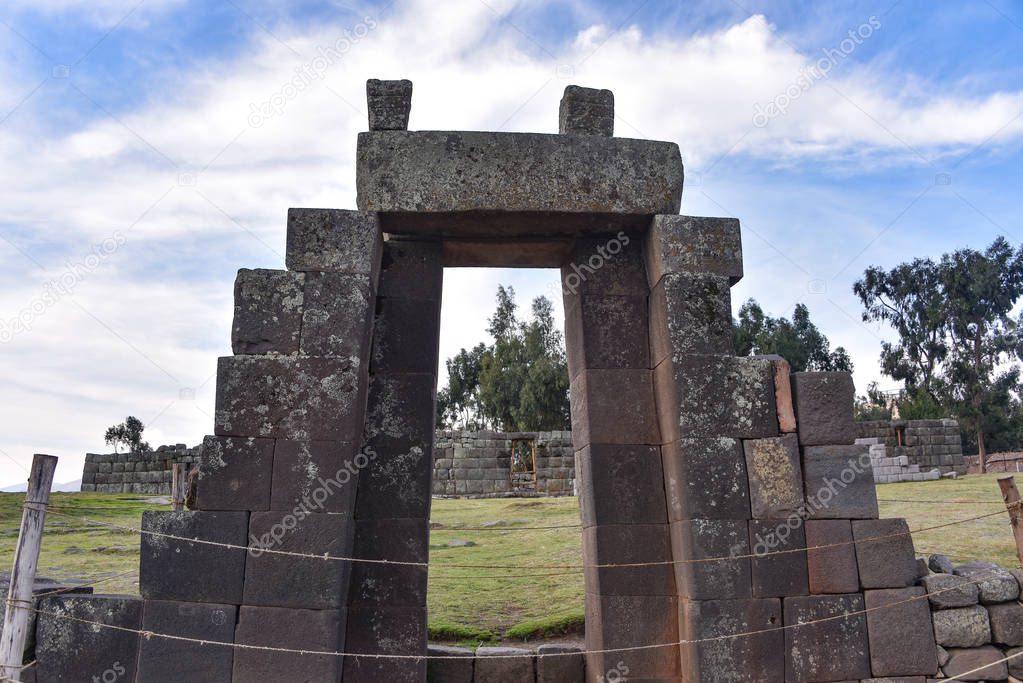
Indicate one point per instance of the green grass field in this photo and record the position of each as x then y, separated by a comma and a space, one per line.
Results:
486, 604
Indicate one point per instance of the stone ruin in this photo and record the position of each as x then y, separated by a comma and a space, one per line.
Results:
684, 452
913, 450
148, 472
487, 464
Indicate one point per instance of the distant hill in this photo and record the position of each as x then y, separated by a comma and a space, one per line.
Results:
70, 486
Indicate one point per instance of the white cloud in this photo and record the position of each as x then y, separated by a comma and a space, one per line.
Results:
102, 13
201, 193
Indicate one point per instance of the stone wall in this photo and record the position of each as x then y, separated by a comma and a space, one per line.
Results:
913, 450
135, 472
479, 464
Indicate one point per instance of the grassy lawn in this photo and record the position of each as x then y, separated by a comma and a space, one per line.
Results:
480, 604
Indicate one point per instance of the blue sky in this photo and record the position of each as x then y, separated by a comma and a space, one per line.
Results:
137, 180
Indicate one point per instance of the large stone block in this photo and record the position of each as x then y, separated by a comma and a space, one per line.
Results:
947, 590
73, 651
593, 333
290, 397
560, 664
389, 631
450, 664
994, 583
839, 482
315, 476
705, 478
690, 314
234, 473
168, 567
779, 569
900, 632
401, 406
984, 664
411, 270
620, 485
889, 561
1007, 624
613, 407
831, 569
775, 476
962, 627
277, 580
164, 660
406, 336
337, 319
334, 240
396, 484
696, 540
606, 265
389, 104
783, 393
621, 544
715, 396
719, 659
632, 621
824, 407
293, 629
267, 311
453, 172
395, 540
504, 665
832, 649
586, 111
695, 245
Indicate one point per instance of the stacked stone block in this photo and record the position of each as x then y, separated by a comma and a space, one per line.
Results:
926, 445
478, 464
148, 472
889, 469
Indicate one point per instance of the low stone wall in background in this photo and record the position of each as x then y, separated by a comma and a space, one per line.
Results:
913, 450
135, 472
479, 464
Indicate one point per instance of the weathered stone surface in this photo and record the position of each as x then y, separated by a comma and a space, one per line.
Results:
406, 336
435, 171
900, 632
705, 478
824, 407
559, 664
605, 265
334, 240
586, 111
457, 667
504, 665
386, 630
1015, 664
832, 649
839, 482
1007, 623
831, 569
962, 627
627, 621
267, 311
620, 485
401, 406
389, 104
784, 574
41, 588
290, 397
396, 482
163, 660
397, 540
298, 629
775, 476
986, 658
695, 245
613, 407
690, 314
715, 396
759, 657
73, 651
275, 580
514, 253
783, 393
946, 591
168, 567
315, 476
940, 564
888, 562
994, 583
593, 332
337, 319
411, 270
697, 539
619, 544
234, 473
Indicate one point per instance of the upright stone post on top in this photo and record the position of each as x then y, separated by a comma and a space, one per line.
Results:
587, 111
389, 104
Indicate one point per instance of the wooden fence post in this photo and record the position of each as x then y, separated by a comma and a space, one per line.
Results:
178, 486
23, 573
1010, 494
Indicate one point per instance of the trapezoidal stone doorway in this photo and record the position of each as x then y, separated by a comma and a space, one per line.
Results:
690, 461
